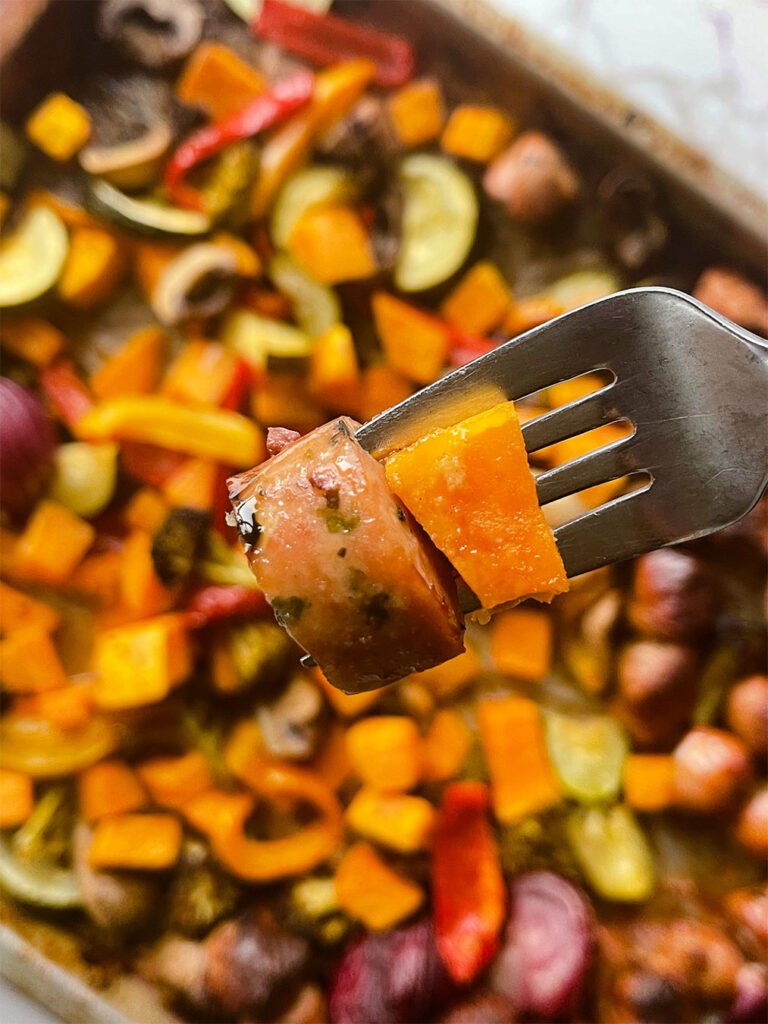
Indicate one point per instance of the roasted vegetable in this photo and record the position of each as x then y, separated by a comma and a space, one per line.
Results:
283, 99
198, 283
207, 433
129, 165
140, 663
522, 779
501, 558
27, 441
467, 885
612, 852
178, 543
42, 885
147, 216
32, 258
59, 127
85, 476
547, 946
53, 543
315, 305
438, 224
325, 39
256, 338
201, 894
33, 745
371, 892
260, 652
308, 187
587, 754
153, 32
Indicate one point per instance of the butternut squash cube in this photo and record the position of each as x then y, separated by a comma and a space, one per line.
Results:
471, 489
397, 820
94, 267
479, 301
29, 662
369, 890
477, 133
523, 781
386, 752
417, 112
59, 127
140, 663
416, 344
218, 81
331, 243
53, 544
521, 643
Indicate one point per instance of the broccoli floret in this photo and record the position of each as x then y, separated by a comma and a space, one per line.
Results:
178, 544
202, 893
261, 652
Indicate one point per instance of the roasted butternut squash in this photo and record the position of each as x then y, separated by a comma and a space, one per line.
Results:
471, 489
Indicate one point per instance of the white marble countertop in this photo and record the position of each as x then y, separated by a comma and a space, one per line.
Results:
700, 67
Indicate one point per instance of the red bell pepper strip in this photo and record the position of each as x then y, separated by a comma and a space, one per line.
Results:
240, 385
214, 603
285, 97
463, 348
467, 884
67, 392
324, 39
149, 463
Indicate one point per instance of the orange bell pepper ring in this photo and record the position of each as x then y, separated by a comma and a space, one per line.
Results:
222, 817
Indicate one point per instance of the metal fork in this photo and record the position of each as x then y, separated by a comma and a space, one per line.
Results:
693, 384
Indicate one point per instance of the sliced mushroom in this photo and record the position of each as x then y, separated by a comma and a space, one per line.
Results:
198, 283
117, 901
289, 724
130, 164
155, 33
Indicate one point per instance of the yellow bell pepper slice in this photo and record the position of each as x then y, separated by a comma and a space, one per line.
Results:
216, 434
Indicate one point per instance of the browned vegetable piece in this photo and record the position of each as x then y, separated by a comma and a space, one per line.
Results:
748, 909
752, 824
245, 965
665, 970
342, 564
747, 712
251, 961
732, 295
309, 1007
657, 684
711, 767
482, 1009
532, 178
363, 136
121, 902
675, 596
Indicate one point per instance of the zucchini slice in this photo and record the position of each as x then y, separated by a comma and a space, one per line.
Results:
439, 221
32, 258
306, 188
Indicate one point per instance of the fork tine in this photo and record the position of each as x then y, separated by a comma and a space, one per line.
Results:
610, 533
596, 467
590, 411
534, 360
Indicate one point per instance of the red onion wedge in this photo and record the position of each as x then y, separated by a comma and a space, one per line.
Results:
547, 946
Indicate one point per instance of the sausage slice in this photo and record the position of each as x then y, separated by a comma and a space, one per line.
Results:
347, 571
